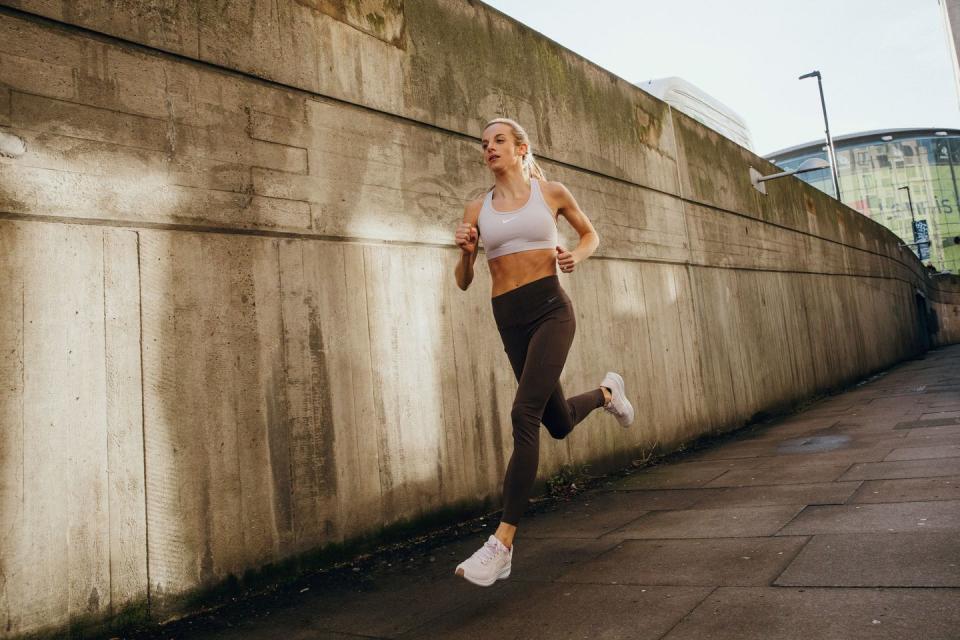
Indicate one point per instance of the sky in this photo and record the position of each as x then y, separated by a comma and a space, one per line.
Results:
885, 63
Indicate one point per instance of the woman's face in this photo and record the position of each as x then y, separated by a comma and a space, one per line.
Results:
500, 152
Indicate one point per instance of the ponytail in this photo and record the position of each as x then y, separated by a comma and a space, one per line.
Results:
531, 169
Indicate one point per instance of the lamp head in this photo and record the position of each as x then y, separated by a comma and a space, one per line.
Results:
812, 164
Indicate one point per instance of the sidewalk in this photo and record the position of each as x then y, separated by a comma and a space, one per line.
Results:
840, 522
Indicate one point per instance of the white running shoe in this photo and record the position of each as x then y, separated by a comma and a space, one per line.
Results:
619, 406
489, 563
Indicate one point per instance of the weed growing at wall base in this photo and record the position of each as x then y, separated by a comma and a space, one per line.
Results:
568, 481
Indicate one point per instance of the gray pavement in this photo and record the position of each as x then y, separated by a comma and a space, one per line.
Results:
839, 522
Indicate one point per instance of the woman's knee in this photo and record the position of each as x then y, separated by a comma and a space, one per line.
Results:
557, 431
557, 419
526, 423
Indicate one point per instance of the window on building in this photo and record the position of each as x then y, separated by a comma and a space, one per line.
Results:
936, 151
954, 144
844, 158
909, 155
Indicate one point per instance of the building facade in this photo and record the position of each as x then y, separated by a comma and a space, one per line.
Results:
701, 106
883, 172
951, 19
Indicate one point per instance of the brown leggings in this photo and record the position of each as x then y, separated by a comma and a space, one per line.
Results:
537, 324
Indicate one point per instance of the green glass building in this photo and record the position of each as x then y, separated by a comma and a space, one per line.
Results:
875, 166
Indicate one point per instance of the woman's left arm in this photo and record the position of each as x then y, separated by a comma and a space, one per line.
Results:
559, 197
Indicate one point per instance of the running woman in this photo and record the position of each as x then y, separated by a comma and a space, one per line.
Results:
517, 220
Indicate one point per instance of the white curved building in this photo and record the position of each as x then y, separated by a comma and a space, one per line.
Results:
701, 106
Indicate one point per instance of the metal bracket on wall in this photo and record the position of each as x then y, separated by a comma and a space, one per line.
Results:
755, 181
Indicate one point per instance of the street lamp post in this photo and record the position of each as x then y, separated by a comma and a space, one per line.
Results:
913, 219
826, 124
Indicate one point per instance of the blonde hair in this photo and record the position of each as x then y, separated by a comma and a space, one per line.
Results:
529, 165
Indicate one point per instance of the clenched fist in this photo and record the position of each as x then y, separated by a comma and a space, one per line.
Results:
565, 260
467, 237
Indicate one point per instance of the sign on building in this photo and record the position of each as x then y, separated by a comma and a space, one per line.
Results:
921, 235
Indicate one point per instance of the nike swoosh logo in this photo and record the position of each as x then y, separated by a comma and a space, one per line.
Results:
551, 299
506, 221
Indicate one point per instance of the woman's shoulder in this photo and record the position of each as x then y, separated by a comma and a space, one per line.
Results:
555, 193
552, 187
472, 209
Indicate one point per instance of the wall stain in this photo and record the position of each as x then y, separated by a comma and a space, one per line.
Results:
382, 19
206, 560
497, 426
321, 405
278, 440
93, 602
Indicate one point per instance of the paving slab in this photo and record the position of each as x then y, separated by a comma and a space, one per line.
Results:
946, 387
930, 423
311, 634
888, 404
659, 499
926, 559
864, 429
864, 425
534, 559
897, 410
546, 560
681, 476
737, 450
589, 517
842, 457
795, 428
299, 632
380, 611
732, 522
779, 613
296, 629
931, 440
571, 611
927, 432
784, 474
786, 494
832, 409
908, 490
391, 609
866, 440
867, 518
946, 404
923, 453
940, 414
903, 469
712, 562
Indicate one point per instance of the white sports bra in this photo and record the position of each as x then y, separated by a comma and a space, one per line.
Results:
530, 227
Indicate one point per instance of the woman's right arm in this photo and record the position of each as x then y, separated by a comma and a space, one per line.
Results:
467, 238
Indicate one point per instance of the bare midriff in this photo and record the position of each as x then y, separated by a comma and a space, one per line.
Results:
517, 269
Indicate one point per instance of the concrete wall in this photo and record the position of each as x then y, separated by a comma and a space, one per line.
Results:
230, 329
945, 304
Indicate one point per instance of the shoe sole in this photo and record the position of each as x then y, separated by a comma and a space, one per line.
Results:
503, 576
618, 380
